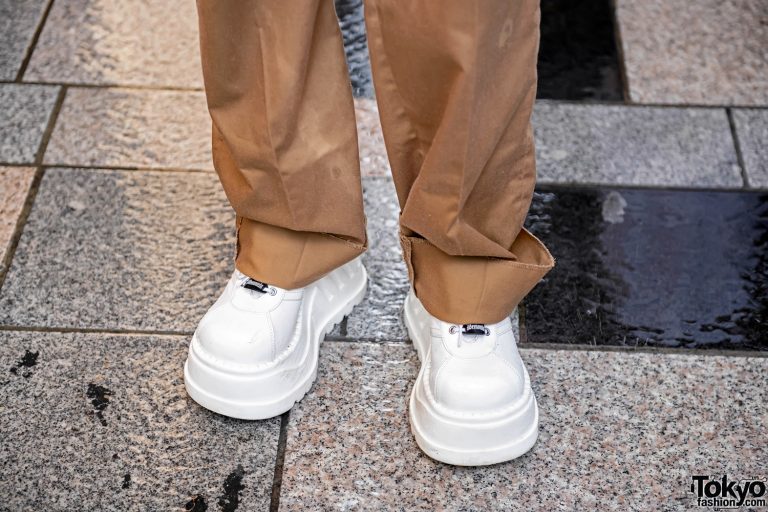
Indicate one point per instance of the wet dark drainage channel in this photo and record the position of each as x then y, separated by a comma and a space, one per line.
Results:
645, 267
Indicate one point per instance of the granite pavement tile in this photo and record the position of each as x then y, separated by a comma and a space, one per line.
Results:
146, 250
352, 24
132, 42
24, 114
752, 131
619, 431
379, 315
651, 146
14, 187
102, 422
705, 52
132, 128
18, 22
382, 212
373, 154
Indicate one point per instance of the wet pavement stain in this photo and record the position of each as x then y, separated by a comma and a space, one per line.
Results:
28, 360
233, 485
578, 54
99, 396
352, 23
126, 481
196, 504
643, 267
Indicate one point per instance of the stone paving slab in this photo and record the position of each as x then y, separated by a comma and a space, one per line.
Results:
24, 114
379, 315
117, 127
382, 212
652, 146
373, 154
120, 250
704, 52
619, 431
102, 422
132, 42
132, 128
752, 131
18, 21
14, 187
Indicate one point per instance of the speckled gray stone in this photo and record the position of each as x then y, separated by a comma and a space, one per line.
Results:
95, 408
24, 114
120, 250
18, 21
619, 431
385, 268
132, 128
382, 212
622, 145
752, 131
132, 42
373, 154
14, 187
379, 315
704, 52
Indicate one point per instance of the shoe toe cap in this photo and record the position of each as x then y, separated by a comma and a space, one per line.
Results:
478, 386
239, 341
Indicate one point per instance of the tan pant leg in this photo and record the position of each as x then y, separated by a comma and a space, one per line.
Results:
284, 138
455, 82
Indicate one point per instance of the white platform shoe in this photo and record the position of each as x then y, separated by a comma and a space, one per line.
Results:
472, 402
254, 353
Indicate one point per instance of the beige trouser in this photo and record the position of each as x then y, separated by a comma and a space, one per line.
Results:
455, 82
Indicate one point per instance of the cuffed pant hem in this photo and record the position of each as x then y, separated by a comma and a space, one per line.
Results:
289, 259
473, 289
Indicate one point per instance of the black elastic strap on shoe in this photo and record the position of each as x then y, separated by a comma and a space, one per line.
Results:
255, 285
475, 329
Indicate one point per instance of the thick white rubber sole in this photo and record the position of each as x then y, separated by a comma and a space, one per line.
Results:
463, 439
265, 391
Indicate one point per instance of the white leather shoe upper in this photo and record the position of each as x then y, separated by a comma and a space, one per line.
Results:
470, 373
472, 402
248, 326
255, 353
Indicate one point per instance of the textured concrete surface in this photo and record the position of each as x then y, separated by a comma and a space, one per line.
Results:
752, 131
382, 213
705, 52
604, 144
102, 422
120, 250
379, 315
352, 24
618, 431
132, 128
24, 114
133, 42
373, 154
14, 187
18, 21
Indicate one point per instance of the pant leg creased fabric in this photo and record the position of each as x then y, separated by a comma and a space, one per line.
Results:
455, 85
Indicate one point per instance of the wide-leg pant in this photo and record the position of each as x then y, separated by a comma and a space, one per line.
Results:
455, 83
